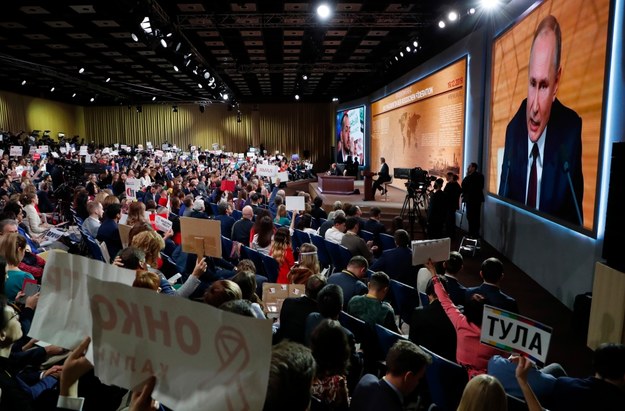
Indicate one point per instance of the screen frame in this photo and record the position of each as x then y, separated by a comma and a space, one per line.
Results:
365, 138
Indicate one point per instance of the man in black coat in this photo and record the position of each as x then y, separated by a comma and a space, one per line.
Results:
473, 197
383, 176
295, 311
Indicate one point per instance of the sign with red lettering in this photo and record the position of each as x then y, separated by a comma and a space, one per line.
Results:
133, 185
199, 354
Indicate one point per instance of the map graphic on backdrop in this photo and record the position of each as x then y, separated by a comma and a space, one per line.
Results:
422, 125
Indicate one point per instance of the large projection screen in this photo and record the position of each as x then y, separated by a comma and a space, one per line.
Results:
422, 125
567, 165
350, 135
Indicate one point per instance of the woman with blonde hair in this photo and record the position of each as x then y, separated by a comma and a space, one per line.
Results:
147, 280
483, 393
282, 217
136, 214
100, 196
151, 243
13, 249
307, 265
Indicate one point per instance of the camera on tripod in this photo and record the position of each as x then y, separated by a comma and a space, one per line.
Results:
418, 179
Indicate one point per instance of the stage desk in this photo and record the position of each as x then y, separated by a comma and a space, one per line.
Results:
335, 184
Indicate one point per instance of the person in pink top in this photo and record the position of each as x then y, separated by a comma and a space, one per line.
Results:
470, 353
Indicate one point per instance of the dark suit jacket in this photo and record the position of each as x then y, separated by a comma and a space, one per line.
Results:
473, 188
430, 327
109, 233
241, 231
293, 318
372, 394
452, 194
563, 145
457, 292
226, 224
494, 296
383, 174
374, 227
350, 285
397, 263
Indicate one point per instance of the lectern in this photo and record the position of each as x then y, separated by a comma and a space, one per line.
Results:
369, 194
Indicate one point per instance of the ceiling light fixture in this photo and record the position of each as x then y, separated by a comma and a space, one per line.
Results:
441, 24
92, 99
134, 37
323, 11
154, 98
335, 99
23, 82
52, 89
472, 10
108, 79
225, 96
452, 16
146, 26
490, 4
415, 44
297, 97
304, 77
207, 75
396, 58
199, 85
408, 49
73, 95
176, 68
164, 43
401, 54
82, 70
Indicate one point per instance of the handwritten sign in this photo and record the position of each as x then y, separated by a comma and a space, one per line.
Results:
513, 332
162, 224
133, 185
265, 170
63, 291
283, 176
16, 151
295, 203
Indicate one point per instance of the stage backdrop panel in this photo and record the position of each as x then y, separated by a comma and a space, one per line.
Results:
584, 27
422, 125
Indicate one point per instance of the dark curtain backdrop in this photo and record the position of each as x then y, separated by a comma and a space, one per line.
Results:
289, 128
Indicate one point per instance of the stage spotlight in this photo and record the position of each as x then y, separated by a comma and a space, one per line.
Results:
415, 44
401, 54
52, 89
199, 85
176, 69
178, 46
146, 26
154, 98
323, 11
82, 70
304, 77
396, 58
225, 96
335, 99
108, 79
92, 99
472, 10
408, 49
73, 95
490, 4
207, 75
23, 82
441, 24
297, 97
134, 37
452, 16
164, 43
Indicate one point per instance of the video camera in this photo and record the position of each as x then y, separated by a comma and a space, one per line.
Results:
418, 179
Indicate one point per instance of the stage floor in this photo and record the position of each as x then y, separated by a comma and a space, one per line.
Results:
395, 197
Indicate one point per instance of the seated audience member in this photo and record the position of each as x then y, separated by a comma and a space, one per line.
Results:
282, 217
317, 210
45, 205
282, 252
307, 265
483, 393
351, 280
542, 380
373, 224
136, 214
304, 224
331, 351
397, 262
262, 239
295, 311
431, 328
222, 291
92, 223
198, 210
456, 291
337, 231
109, 231
471, 354
241, 229
291, 373
324, 227
405, 367
151, 243
9, 223
33, 220
603, 391
224, 217
371, 308
241, 307
355, 244
13, 249
147, 280
492, 274
246, 280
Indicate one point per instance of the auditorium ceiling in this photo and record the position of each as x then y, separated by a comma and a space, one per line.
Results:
252, 51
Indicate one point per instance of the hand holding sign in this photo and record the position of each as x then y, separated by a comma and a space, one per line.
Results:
75, 366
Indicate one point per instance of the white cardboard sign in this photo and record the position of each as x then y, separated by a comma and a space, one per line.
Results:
162, 224
283, 176
200, 355
63, 291
295, 203
16, 151
265, 170
84, 150
513, 332
132, 186
437, 250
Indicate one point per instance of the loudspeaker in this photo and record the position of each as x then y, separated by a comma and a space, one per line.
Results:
615, 216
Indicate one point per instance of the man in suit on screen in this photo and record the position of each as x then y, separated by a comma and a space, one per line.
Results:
542, 164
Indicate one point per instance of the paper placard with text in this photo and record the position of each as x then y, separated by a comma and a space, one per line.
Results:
513, 332
43, 149
16, 151
162, 223
437, 250
201, 236
133, 185
84, 150
64, 297
266, 170
199, 354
